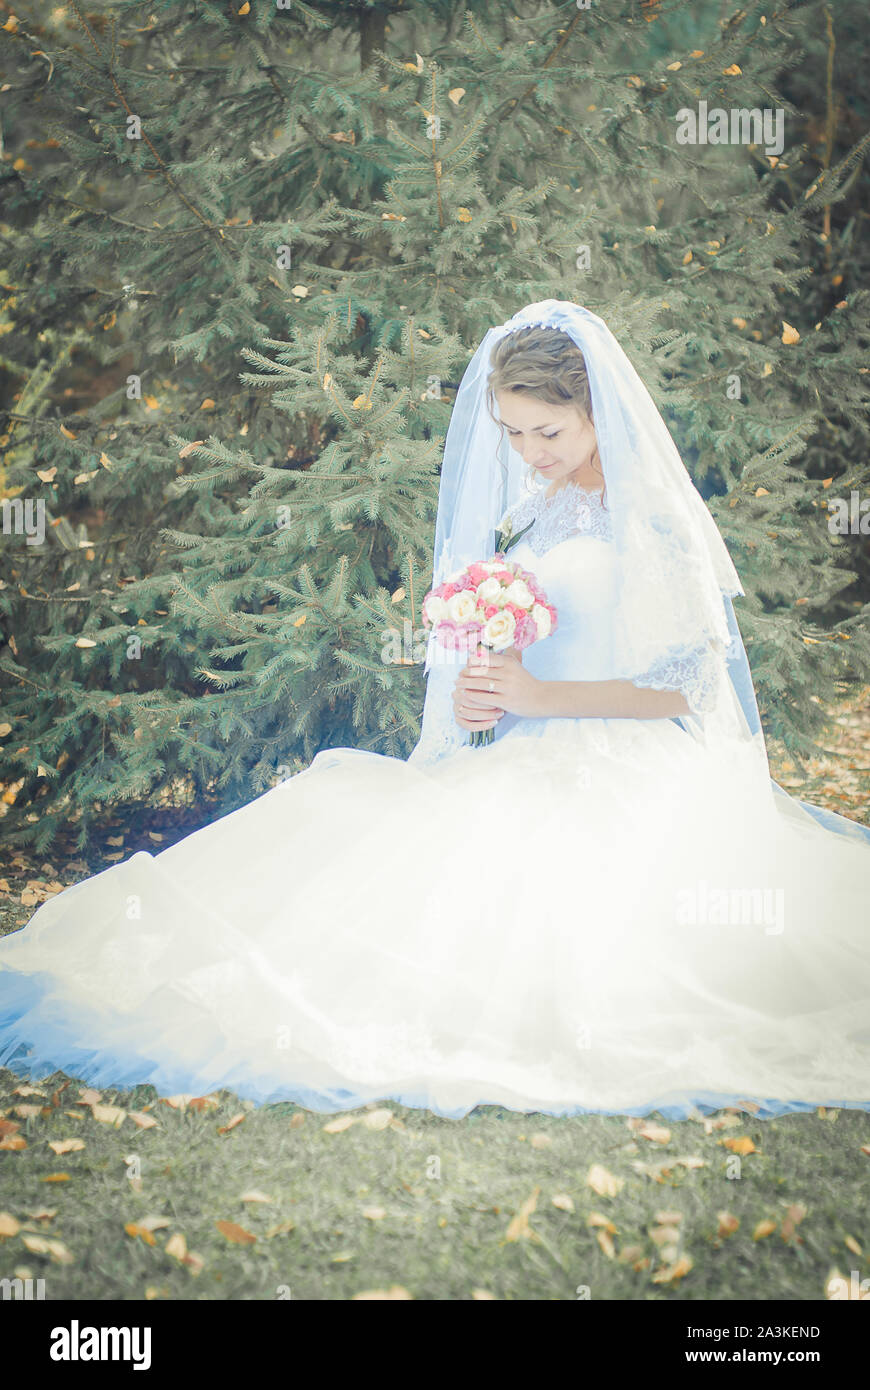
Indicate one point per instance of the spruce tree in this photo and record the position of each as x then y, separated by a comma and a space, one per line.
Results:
247, 252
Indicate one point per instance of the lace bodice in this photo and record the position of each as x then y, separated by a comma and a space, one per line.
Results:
571, 510
574, 510
580, 580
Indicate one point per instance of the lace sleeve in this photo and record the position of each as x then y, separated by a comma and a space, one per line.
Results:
695, 674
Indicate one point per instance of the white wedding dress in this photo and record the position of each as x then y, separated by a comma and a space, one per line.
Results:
587, 914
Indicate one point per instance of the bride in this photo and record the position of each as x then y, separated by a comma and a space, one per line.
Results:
610, 906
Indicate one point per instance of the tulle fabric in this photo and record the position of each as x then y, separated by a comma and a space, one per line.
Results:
506, 927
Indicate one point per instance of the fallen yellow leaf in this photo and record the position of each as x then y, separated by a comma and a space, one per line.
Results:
340, 1125
602, 1181
519, 1227
764, 1228
237, 1235
395, 1292
743, 1145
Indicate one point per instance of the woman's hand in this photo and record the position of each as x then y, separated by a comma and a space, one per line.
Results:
514, 690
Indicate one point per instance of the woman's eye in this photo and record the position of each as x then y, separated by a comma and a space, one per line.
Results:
553, 436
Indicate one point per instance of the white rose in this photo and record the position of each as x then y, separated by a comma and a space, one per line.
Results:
436, 608
498, 632
543, 621
462, 607
492, 566
520, 594
489, 590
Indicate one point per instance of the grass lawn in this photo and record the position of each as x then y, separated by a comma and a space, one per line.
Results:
498, 1205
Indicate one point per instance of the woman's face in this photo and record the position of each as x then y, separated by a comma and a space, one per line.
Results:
558, 441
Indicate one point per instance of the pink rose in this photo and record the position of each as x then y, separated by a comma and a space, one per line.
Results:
525, 632
490, 610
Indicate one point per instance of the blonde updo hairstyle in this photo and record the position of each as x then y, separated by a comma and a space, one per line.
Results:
541, 362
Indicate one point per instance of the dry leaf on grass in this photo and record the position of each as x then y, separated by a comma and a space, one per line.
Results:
793, 1217
603, 1182
633, 1255
66, 1146
659, 1172
340, 1125
141, 1120
284, 1228
55, 1249
176, 1246
137, 1231
376, 1119
396, 1292
764, 1228
665, 1235
606, 1243
721, 1122
109, 1115
153, 1223
596, 1219
236, 1235
42, 1213
231, 1124
741, 1145
656, 1134
669, 1274
519, 1228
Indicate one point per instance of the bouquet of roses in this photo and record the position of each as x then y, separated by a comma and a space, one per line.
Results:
492, 603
